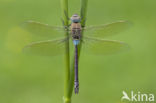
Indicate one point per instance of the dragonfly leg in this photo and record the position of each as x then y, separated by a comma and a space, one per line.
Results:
84, 22
65, 13
65, 27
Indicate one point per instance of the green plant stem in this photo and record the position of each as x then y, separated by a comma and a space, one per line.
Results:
83, 20
83, 12
69, 70
64, 5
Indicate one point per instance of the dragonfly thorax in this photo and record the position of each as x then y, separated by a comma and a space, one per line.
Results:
76, 32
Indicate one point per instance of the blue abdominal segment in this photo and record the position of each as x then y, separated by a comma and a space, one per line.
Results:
76, 42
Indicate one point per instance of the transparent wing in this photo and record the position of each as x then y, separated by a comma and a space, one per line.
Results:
46, 48
103, 47
104, 30
43, 30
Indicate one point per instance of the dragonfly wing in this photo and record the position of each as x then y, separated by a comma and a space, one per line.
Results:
46, 48
43, 30
104, 30
103, 47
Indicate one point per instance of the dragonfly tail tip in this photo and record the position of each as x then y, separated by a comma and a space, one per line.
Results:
76, 87
76, 90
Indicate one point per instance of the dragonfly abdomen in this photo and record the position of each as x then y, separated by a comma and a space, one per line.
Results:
76, 82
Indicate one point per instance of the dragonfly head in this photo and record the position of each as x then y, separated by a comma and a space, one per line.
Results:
75, 18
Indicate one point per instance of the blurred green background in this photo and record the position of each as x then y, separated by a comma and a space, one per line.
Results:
35, 79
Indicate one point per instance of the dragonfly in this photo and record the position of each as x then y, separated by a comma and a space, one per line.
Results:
92, 37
